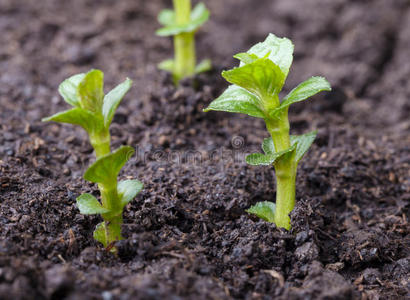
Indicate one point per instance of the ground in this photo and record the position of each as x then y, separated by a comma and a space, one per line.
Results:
187, 233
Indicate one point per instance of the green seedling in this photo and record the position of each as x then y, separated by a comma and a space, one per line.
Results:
255, 89
94, 111
182, 23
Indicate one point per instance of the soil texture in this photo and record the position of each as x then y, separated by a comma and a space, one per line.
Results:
187, 235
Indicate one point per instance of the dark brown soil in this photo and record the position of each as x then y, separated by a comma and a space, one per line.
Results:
187, 235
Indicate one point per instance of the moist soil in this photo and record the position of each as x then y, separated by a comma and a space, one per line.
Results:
187, 235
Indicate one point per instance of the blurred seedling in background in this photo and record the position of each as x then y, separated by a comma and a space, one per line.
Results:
182, 23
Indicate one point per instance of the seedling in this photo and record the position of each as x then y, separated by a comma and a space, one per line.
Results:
182, 24
255, 89
94, 111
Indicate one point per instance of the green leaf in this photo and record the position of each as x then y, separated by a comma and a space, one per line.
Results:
89, 205
259, 159
90, 91
246, 58
279, 51
167, 65
68, 89
262, 78
303, 91
107, 233
264, 210
78, 116
166, 17
199, 15
99, 234
106, 169
268, 146
113, 99
303, 143
128, 189
237, 100
203, 66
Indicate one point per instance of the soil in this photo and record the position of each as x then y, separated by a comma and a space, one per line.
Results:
187, 234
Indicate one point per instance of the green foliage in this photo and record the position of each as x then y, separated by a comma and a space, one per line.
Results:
89, 205
261, 77
94, 111
113, 99
106, 169
182, 23
167, 18
267, 159
255, 89
303, 143
264, 210
128, 189
303, 91
237, 100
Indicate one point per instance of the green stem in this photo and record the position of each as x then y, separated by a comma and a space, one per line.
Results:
109, 193
113, 230
101, 143
184, 43
113, 219
285, 170
182, 11
285, 191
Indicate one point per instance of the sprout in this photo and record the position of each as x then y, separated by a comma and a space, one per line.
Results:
182, 24
94, 111
255, 89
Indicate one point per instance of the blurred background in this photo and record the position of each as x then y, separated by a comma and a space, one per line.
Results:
362, 47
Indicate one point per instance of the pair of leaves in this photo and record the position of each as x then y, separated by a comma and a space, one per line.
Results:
299, 145
127, 190
92, 110
267, 159
259, 79
105, 171
239, 100
199, 15
169, 66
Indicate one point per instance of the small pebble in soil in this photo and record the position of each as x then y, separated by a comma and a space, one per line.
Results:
24, 221
371, 276
301, 237
368, 255
307, 252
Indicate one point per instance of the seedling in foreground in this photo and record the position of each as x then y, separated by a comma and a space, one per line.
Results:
94, 111
255, 89
182, 24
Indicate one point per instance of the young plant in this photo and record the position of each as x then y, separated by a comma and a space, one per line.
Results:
182, 24
255, 89
94, 111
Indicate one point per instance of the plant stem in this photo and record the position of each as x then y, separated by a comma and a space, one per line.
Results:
101, 143
182, 11
184, 43
109, 193
285, 191
285, 170
113, 219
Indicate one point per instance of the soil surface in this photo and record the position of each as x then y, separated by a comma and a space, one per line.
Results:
187, 233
